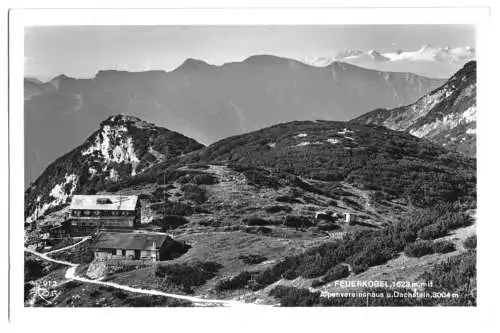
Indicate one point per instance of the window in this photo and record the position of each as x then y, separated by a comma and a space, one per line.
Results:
124, 252
113, 252
87, 212
103, 201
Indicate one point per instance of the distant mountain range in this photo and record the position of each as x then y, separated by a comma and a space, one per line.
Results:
447, 115
428, 61
206, 102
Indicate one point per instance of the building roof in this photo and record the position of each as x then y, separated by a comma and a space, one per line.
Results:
128, 241
104, 202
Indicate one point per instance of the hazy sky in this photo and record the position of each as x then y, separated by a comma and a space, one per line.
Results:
82, 51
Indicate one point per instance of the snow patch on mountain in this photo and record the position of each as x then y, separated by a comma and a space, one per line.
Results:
402, 121
59, 195
345, 131
113, 145
271, 145
332, 141
448, 122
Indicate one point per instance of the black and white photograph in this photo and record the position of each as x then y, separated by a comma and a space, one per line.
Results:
290, 165
247, 165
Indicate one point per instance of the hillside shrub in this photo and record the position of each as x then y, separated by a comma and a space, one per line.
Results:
296, 221
287, 199
33, 270
419, 249
172, 249
178, 208
317, 283
278, 208
81, 254
169, 222
260, 230
160, 194
470, 243
377, 196
56, 208
443, 247
336, 273
290, 275
255, 221
233, 283
333, 203
155, 301
257, 176
120, 294
327, 226
456, 274
184, 179
205, 179
290, 296
329, 176
188, 276
252, 259
195, 193
432, 231
353, 203
169, 176
456, 220
334, 190
361, 249
198, 166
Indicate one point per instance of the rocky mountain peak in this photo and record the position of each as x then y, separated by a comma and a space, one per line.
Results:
447, 115
122, 147
125, 120
193, 64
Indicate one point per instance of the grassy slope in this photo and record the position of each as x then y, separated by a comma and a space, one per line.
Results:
335, 176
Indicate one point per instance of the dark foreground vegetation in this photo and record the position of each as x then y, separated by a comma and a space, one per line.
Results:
187, 276
335, 273
454, 284
423, 247
80, 254
366, 248
291, 296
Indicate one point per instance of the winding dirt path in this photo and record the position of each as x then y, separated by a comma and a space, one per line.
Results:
84, 239
71, 275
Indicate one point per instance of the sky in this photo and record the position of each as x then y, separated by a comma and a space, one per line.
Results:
81, 51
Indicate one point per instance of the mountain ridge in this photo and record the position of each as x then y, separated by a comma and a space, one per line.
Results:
447, 115
207, 104
427, 61
195, 62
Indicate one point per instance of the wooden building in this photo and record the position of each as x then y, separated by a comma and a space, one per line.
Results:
129, 246
105, 211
